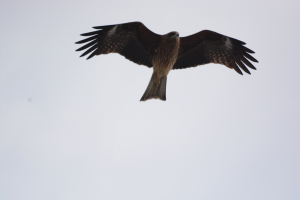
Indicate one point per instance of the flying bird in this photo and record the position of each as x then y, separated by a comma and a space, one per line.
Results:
140, 45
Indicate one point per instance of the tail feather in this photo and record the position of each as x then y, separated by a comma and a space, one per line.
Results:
156, 89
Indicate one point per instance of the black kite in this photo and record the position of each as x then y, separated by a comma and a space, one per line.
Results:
165, 52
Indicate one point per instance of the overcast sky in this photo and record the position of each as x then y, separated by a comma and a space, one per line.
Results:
75, 129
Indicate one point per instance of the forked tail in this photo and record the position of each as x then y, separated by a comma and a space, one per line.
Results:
156, 88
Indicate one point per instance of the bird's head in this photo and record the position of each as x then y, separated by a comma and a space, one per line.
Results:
173, 34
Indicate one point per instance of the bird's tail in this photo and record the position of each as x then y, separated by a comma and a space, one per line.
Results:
156, 88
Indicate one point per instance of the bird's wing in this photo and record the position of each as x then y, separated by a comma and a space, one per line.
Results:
210, 47
132, 40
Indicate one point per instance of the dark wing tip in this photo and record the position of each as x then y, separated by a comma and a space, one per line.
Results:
88, 45
90, 56
92, 48
237, 41
235, 67
92, 42
241, 65
87, 39
243, 48
250, 57
104, 27
90, 33
243, 57
79, 42
94, 39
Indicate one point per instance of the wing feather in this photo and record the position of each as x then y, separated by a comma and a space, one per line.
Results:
89, 34
86, 40
89, 50
246, 62
241, 65
243, 48
210, 47
87, 45
132, 40
235, 67
250, 57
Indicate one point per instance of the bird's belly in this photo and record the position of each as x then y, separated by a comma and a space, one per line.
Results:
165, 57
164, 62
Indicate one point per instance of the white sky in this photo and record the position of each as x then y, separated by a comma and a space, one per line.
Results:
75, 129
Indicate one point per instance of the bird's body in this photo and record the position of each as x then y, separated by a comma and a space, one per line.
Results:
166, 52
163, 61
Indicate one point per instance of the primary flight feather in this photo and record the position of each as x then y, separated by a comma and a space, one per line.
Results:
165, 52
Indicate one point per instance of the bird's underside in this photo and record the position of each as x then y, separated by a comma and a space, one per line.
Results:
138, 44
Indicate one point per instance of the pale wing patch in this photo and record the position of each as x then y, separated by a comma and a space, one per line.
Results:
112, 31
228, 43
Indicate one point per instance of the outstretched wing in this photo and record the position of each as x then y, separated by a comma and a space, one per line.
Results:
132, 40
211, 47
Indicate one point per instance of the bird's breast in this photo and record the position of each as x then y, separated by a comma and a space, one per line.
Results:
165, 56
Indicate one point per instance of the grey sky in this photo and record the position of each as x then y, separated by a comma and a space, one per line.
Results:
75, 129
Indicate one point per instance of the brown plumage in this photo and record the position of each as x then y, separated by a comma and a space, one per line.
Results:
165, 52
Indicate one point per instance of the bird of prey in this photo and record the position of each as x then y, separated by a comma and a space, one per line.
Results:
138, 44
